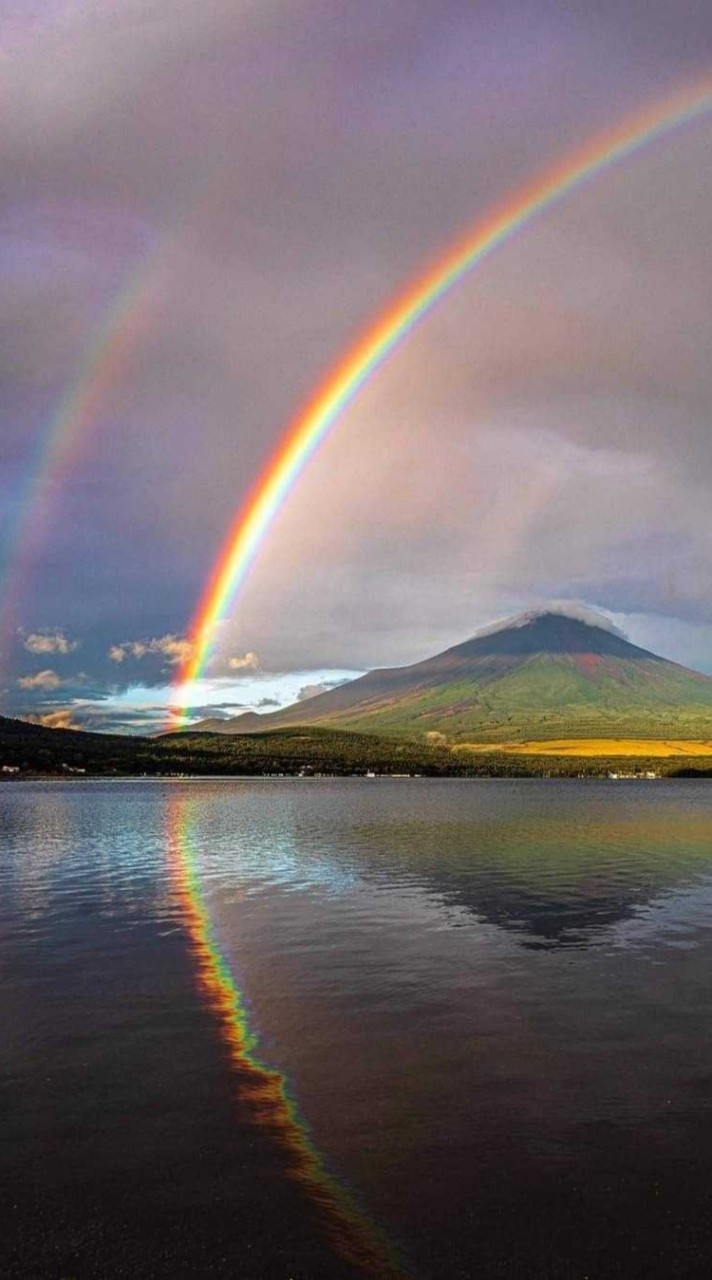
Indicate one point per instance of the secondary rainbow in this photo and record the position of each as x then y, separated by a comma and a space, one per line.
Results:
381, 338
123, 325
122, 329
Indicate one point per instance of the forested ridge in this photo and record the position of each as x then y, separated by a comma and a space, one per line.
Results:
28, 750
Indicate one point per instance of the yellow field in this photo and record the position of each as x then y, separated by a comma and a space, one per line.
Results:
595, 747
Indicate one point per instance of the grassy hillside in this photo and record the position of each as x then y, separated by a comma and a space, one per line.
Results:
596, 748
546, 697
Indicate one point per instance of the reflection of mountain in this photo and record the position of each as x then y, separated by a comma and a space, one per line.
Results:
544, 675
549, 884
547, 881
543, 922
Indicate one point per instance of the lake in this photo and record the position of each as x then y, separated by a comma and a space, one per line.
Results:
339, 1028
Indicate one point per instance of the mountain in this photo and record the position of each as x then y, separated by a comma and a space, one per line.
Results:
544, 675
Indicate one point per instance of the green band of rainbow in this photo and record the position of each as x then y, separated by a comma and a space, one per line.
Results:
380, 339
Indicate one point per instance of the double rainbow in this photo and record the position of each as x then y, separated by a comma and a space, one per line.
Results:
341, 386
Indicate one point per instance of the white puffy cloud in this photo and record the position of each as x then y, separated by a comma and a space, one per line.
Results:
246, 662
175, 649
41, 680
50, 641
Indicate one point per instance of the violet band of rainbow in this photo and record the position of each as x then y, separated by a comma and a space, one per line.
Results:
380, 339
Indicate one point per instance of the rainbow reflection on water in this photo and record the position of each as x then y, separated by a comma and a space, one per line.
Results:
264, 1089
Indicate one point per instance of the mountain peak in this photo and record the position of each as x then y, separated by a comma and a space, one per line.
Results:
556, 672
572, 611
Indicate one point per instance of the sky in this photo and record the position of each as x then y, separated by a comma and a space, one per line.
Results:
202, 203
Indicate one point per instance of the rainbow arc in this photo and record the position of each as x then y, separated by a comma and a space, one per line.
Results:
378, 342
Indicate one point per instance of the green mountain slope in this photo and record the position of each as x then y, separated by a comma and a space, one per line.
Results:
542, 676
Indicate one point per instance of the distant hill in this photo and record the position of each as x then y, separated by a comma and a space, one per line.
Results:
248, 722
36, 748
544, 675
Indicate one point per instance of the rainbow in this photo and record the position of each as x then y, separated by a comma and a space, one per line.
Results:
264, 1089
122, 327
341, 386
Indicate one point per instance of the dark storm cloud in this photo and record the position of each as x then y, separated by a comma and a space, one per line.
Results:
265, 179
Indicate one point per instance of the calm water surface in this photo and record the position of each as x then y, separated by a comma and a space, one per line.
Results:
337, 1028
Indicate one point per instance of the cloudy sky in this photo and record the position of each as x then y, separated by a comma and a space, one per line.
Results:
203, 201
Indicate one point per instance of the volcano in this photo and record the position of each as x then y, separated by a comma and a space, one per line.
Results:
542, 675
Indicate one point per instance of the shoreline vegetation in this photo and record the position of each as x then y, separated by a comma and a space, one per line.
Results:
28, 750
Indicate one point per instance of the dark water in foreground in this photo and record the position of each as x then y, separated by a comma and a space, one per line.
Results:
481, 1017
